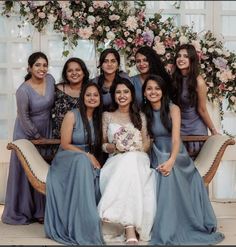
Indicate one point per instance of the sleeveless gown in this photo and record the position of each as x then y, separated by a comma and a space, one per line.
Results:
191, 121
23, 204
72, 188
184, 213
127, 186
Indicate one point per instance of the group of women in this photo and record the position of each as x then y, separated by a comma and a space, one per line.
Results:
147, 183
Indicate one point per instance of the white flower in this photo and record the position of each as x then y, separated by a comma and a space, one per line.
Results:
129, 40
159, 48
183, 40
98, 18
226, 53
219, 51
52, 18
107, 28
110, 35
202, 66
204, 50
91, 9
138, 31
112, 8
41, 15
210, 50
99, 28
131, 23
196, 44
91, 19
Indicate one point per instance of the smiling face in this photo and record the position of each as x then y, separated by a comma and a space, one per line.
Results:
142, 63
153, 92
123, 95
182, 60
91, 97
39, 69
110, 64
74, 73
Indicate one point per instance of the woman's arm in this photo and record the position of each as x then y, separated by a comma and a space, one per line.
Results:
23, 114
202, 109
106, 146
144, 133
167, 166
66, 138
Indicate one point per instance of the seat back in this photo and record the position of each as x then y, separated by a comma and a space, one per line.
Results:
210, 155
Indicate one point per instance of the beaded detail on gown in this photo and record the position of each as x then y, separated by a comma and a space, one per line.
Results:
184, 213
127, 184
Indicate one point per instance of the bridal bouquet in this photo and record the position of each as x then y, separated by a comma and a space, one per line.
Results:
128, 139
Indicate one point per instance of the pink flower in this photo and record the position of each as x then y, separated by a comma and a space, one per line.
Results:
120, 43
41, 15
139, 41
85, 33
131, 23
100, 4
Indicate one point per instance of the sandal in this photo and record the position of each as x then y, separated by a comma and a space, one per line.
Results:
131, 236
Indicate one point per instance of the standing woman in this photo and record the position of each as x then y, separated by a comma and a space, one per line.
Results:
190, 95
74, 75
34, 98
71, 215
109, 63
184, 214
148, 62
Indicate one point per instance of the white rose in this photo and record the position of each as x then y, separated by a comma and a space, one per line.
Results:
183, 40
202, 66
138, 31
110, 35
112, 8
107, 28
204, 50
91, 19
91, 9
129, 40
219, 51
210, 50
226, 53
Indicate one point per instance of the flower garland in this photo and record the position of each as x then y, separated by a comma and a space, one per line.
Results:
124, 27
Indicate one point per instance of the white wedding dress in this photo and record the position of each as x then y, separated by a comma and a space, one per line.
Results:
127, 184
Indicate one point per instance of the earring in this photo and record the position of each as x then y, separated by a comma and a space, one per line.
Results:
145, 100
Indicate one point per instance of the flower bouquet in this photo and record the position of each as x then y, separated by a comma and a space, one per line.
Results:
128, 139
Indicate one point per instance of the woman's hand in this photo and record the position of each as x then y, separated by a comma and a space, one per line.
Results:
111, 148
94, 161
166, 167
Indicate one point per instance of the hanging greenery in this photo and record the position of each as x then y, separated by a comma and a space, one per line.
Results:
126, 28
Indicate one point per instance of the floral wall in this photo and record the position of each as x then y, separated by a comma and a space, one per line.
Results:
124, 26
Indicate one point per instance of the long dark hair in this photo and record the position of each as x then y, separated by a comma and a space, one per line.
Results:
94, 148
134, 112
156, 66
32, 59
82, 65
192, 76
165, 104
102, 58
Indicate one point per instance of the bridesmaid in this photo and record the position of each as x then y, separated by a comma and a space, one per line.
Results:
74, 75
34, 98
190, 95
148, 62
72, 187
109, 63
184, 213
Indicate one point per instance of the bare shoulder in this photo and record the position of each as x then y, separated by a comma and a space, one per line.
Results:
174, 108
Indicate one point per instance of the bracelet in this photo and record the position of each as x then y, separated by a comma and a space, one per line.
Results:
104, 147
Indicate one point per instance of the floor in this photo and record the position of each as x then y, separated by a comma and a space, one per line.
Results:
34, 234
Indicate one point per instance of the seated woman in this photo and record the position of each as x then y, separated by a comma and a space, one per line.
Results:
184, 213
71, 215
126, 182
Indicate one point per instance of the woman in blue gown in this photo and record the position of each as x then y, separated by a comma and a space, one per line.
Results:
72, 189
34, 99
190, 94
184, 213
147, 62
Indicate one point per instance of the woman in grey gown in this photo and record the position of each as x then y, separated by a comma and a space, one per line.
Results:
189, 89
184, 213
34, 98
72, 188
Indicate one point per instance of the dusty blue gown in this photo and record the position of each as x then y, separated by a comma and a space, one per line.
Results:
138, 88
71, 215
191, 121
23, 204
184, 213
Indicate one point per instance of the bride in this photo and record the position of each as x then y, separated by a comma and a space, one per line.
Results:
126, 181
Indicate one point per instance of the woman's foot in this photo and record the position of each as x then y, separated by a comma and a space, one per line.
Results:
131, 238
